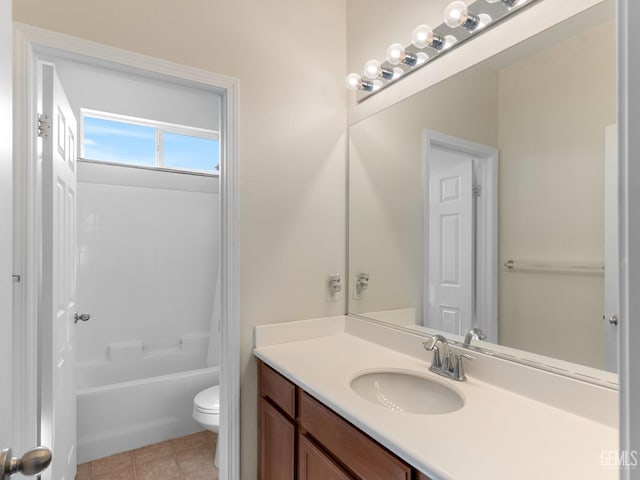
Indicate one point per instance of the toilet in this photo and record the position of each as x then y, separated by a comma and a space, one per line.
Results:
206, 411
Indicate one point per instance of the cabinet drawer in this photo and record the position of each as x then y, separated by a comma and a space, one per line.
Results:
363, 457
277, 388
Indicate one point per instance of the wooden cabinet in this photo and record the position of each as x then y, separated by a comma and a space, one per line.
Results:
362, 455
276, 426
422, 476
314, 464
277, 444
302, 439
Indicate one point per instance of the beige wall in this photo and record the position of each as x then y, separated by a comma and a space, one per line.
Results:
551, 194
290, 58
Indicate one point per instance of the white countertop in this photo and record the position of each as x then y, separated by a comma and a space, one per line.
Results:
496, 435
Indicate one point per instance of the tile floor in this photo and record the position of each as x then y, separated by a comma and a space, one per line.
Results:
184, 458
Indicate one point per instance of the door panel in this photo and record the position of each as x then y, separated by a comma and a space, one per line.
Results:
57, 340
451, 246
277, 444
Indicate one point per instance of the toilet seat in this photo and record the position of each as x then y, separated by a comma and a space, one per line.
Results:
208, 401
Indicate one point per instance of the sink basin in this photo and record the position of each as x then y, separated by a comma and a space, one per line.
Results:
406, 392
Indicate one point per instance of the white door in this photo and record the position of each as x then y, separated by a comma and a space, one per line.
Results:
611, 258
451, 241
58, 398
6, 223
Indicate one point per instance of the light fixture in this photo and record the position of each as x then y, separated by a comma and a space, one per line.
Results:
421, 58
354, 82
373, 69
457, 15
428, 43
397, 54
423, 36
508, 3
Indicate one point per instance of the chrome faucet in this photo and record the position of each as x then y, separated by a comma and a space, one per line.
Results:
474, 332
442, 365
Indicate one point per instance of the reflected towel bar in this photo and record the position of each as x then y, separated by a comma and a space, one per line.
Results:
548, 267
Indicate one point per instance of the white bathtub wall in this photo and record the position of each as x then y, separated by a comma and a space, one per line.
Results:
190, 356
98, 88
148, 257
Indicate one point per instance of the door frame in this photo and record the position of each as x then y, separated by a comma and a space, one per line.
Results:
7, 426
486, 221
628, 12
611, 332
29, 42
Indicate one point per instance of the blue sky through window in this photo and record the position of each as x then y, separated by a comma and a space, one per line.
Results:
185, 152
134, 144
119, 142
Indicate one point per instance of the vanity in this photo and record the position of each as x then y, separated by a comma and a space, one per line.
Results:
514, 422
485, 202
289, 416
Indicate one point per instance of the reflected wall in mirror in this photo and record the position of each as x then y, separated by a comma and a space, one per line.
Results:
425, 217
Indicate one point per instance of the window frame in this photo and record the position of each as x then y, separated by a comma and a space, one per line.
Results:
160, 129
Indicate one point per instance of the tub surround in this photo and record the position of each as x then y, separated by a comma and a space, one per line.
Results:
123, 416
516, 423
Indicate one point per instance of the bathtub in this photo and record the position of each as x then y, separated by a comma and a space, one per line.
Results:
138, 401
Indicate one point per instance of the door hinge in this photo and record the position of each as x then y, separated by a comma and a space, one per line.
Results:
44, 127
16, 278
477, 189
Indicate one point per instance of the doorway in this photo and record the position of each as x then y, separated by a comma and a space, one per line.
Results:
460, 233
33, 44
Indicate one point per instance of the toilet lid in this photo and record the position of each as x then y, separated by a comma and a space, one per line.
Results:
208, 401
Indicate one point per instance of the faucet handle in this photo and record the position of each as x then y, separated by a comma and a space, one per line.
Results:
458, 368
436, 363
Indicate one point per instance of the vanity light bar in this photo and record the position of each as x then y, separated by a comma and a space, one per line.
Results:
461, 22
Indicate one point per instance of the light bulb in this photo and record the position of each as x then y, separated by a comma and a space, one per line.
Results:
354, 82
423, 36
457, 15
373, 70
396, 54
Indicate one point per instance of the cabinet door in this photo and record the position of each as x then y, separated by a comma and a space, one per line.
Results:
313, 464
277, 444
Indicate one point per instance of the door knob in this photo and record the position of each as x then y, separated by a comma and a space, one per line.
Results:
32, 463
613, 319
85, 317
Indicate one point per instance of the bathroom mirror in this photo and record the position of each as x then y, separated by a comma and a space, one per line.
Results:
490, 199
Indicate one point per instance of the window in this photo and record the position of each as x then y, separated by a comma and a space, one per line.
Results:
145, 143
